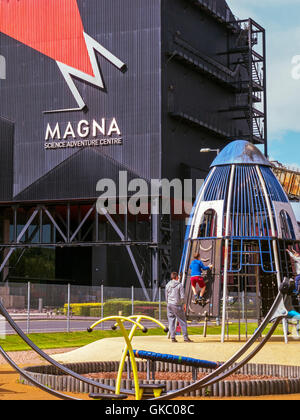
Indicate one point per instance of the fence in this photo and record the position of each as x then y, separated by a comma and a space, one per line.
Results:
72, 307
65, 308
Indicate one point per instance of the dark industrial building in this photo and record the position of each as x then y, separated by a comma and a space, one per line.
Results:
95, 87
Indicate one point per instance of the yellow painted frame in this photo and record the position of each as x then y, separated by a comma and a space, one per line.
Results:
136, 321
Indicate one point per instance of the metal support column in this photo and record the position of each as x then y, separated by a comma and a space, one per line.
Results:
155, 233
226, 258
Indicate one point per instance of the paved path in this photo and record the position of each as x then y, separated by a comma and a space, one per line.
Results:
60, 325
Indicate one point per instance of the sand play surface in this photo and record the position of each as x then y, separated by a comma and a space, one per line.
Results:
110, 349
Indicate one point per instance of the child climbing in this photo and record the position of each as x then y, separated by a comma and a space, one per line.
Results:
197, 267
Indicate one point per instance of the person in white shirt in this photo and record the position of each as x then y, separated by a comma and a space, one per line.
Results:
294, 313
296, 258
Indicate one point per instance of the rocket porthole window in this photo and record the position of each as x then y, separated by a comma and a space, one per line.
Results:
287, 228
208, 225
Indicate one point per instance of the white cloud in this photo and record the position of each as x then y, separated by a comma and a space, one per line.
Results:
283, 90
242, 10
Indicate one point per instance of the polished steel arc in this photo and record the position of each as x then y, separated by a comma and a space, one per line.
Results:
217, 375
53, 362
34, 382
250, 356
117, 319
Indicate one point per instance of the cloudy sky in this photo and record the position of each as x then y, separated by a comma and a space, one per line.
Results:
281, 18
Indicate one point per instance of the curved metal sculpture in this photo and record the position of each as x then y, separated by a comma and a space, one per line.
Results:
49, 359
70, 372
34, 382
276, 313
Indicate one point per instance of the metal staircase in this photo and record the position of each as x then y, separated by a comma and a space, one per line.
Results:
245, 75
249, 52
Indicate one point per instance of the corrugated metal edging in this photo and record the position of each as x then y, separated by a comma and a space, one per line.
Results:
287, 379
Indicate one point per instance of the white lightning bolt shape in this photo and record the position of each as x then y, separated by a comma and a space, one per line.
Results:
96, 80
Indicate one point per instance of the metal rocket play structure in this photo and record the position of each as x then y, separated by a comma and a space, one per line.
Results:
242, 223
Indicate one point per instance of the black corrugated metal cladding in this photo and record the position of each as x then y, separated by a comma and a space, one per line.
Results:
6, 159
131, 31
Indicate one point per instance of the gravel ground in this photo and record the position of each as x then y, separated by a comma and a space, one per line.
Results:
178, 376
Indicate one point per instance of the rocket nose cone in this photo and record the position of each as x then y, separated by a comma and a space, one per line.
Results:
240, 152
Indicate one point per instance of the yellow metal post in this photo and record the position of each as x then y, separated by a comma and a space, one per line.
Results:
124, 355
138, 395
138, 319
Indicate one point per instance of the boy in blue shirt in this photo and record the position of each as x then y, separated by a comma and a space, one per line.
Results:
197, 267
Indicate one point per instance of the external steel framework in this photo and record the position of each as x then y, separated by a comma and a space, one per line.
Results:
249, 52
79, 224
245, 74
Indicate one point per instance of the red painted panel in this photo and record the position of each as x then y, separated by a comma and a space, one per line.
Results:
52, 27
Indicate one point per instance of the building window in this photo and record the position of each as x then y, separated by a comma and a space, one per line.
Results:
287, 228
208, 225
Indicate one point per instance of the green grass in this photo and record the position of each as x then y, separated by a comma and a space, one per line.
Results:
79, 339
61, 340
